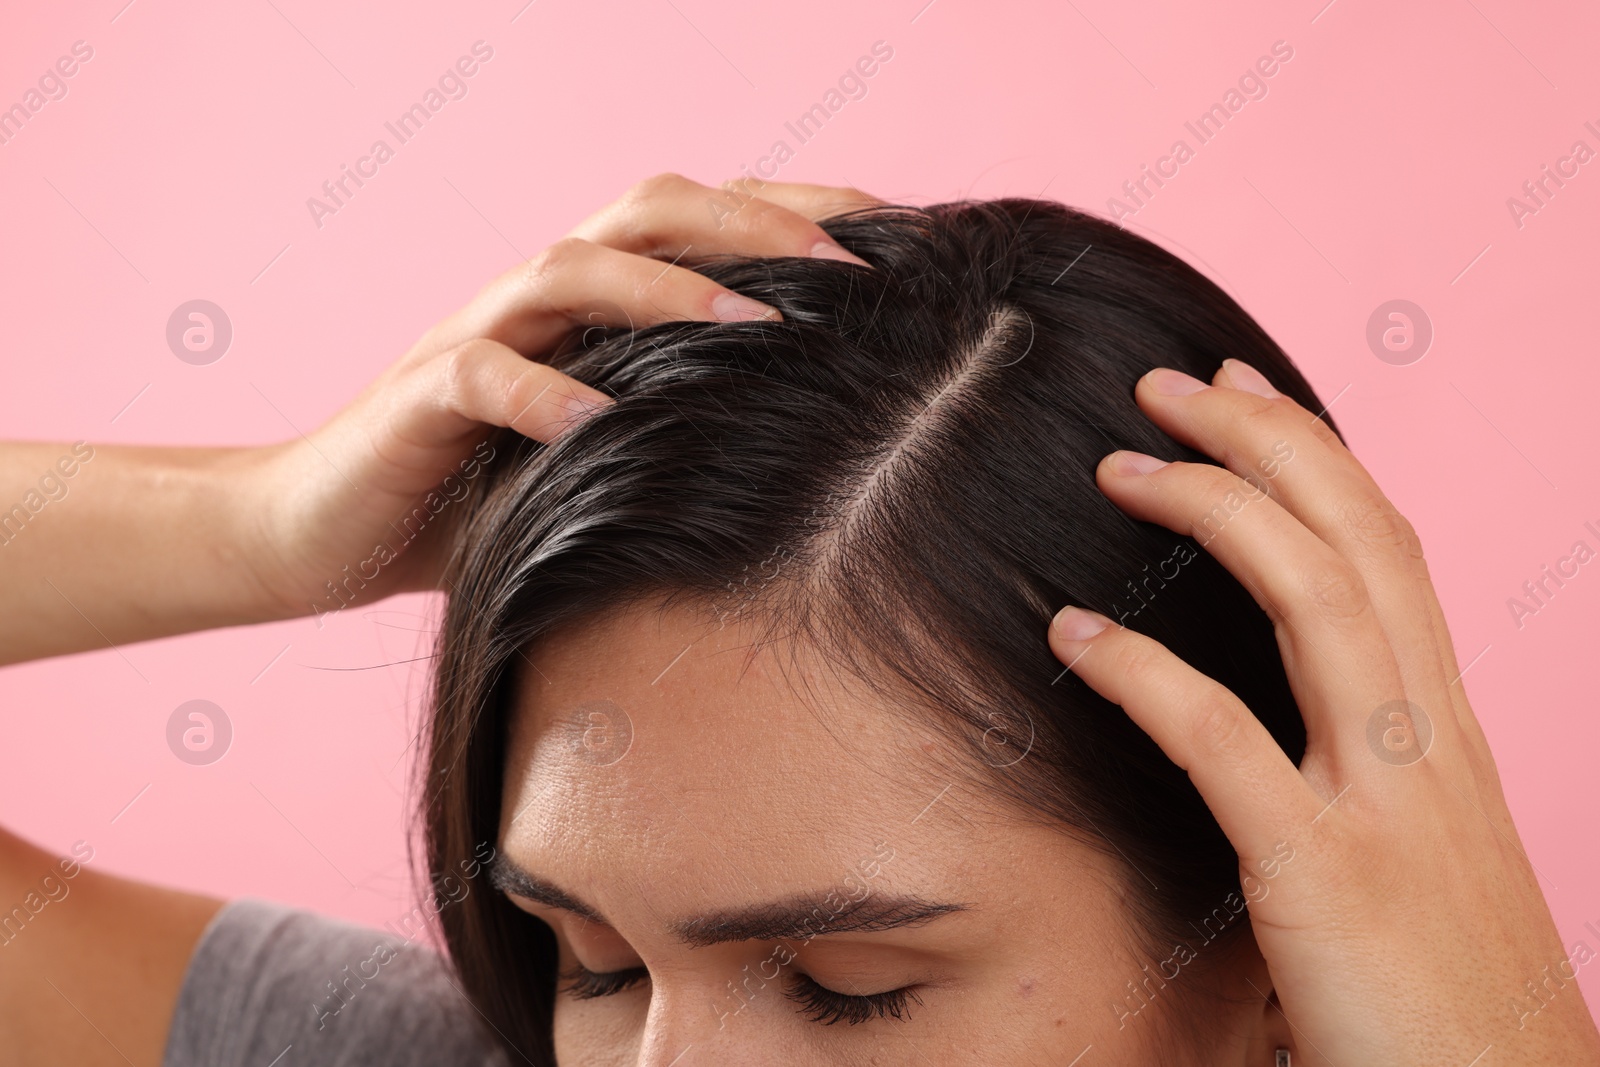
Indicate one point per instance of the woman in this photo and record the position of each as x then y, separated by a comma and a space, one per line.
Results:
757, 736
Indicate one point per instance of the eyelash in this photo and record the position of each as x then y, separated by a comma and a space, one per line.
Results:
817, 1002
823, 1005
584, 984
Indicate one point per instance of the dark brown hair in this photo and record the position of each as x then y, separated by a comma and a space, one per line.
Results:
917, 442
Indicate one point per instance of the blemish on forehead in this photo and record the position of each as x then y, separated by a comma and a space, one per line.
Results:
1025, 987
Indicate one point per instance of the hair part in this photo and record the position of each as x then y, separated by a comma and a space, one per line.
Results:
916, 442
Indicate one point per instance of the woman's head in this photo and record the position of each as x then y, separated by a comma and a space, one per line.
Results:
773, 626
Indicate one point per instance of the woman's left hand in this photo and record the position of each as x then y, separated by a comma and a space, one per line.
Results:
1410, 924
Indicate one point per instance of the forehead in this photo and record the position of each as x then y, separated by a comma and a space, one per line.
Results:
644, 736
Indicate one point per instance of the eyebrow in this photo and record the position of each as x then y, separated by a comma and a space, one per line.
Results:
796, 918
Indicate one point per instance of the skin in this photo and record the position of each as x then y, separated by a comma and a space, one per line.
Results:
1399, 846
107, 949
162, 541
151, 542
1359, 940
722, 783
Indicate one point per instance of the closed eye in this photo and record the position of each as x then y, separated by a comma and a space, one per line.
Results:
823, 1005
817, 1002
583, 984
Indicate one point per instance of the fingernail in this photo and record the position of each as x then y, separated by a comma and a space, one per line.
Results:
731, 307
1126, 462
1077, 624
829, 250
1169, 382
1244, 376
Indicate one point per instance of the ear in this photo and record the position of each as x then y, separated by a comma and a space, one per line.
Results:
1267, 1028
1271, 1032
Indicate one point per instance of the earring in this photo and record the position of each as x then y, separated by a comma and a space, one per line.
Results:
1283, 1058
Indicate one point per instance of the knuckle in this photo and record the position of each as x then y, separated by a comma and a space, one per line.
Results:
1324, 433
1136, 661
1375, 521
471, 379
1215, 722
1220, 482
1336, 590
457, 368
517, 393
554, 259
1228, 494
1258, 415
656, 186
461, 364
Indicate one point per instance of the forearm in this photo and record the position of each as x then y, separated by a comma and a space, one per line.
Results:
104, 545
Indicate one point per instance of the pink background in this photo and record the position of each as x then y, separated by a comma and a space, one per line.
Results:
179, 164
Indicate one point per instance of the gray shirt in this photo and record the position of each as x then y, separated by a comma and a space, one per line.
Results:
273, 986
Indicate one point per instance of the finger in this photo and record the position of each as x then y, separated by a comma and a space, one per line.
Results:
483, 381
420, 421
1322, 484
815, 202
1255, 792
575, 282
673, 218
1384, 527
1337, 656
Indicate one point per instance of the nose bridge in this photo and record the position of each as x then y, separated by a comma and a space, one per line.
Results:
723, 1019
671, 1038
678, 1035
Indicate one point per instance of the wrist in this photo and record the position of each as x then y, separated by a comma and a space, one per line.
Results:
256, 537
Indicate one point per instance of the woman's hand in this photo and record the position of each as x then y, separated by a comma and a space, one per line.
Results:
1409, 926
341, 508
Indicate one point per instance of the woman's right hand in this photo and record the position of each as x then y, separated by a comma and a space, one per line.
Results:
338, 507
